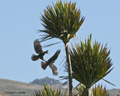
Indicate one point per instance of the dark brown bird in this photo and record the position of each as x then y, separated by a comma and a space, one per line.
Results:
50, 63
39, 51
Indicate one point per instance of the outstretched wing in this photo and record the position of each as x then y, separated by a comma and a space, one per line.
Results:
54, 57
54, 68
37, 46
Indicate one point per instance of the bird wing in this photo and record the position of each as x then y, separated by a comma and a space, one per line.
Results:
54, 68
37, 46
54, 57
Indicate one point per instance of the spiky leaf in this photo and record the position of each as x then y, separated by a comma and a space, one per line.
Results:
61, 21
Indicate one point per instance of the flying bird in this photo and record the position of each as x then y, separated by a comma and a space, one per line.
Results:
39, 51
50, 63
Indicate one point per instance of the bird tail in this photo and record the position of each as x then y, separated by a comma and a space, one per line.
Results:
35, 57
44, 65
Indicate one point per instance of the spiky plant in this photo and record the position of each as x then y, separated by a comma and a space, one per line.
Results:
99, 91
49, 91
90, 63
62, 21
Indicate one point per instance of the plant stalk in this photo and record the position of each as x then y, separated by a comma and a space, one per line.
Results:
87, 92
69, 69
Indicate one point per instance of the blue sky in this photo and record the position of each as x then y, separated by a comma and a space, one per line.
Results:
19, 25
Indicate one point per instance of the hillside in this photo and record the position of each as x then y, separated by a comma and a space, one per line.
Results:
15, 88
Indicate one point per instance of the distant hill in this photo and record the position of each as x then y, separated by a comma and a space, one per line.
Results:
16, 88
46, 80
49, 81
114, 92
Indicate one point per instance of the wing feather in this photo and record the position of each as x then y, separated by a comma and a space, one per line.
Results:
54, 57
54, 68
37, 46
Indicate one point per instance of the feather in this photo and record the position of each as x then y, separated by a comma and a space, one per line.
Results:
35, 57
44, 65
54, 68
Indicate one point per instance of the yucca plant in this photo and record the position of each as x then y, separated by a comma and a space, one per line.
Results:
99, 91
90, 63
62, 21
49, 91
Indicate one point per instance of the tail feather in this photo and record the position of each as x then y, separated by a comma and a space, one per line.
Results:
53, 68
44, 65
35, 57
55, 72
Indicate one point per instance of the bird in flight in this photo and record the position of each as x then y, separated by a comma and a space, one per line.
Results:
50, 63
38, 50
